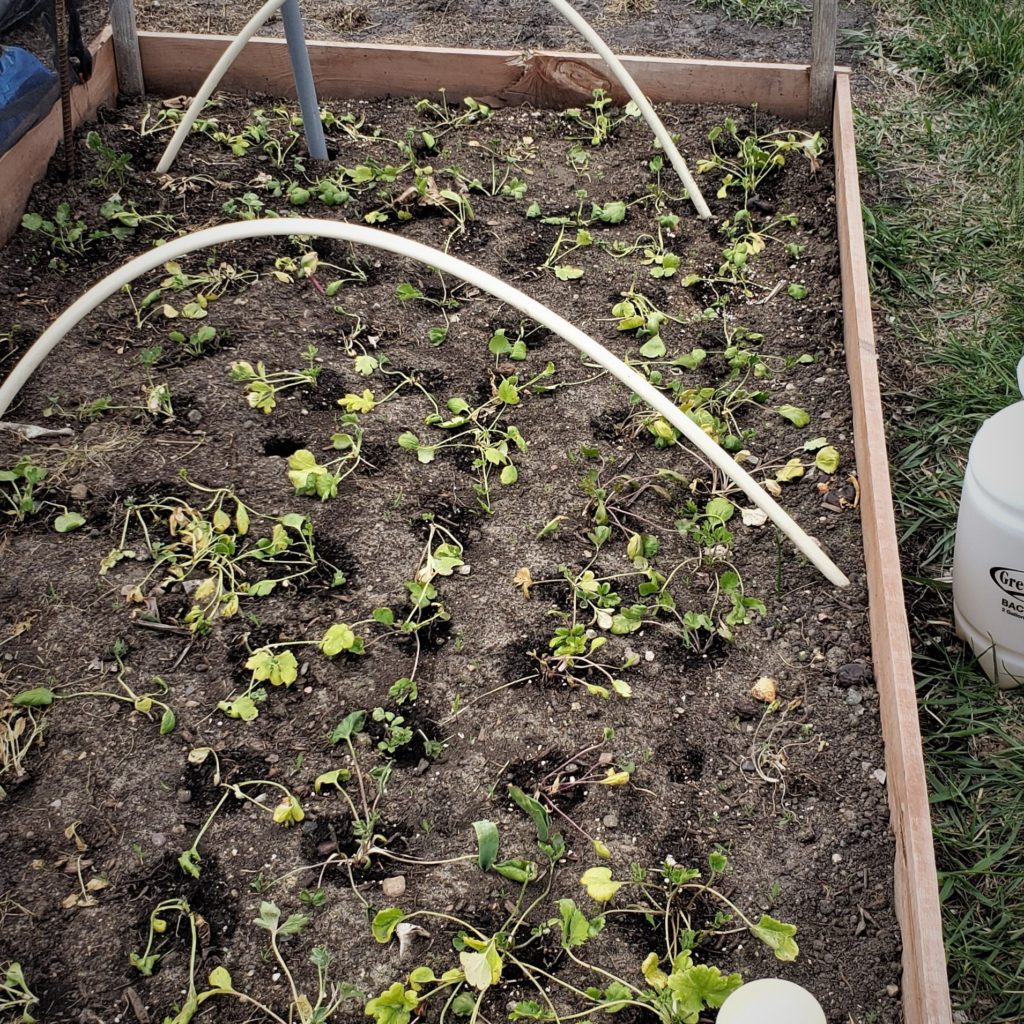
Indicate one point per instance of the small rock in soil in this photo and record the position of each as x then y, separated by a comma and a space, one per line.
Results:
194, 416
79, 492
393, 887
610, 820
854, 674
184, 796
853, 697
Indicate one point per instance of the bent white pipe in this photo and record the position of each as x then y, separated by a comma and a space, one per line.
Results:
577, 21
360, 235
213, 80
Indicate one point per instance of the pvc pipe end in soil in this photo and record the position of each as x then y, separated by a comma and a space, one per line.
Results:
771, 1001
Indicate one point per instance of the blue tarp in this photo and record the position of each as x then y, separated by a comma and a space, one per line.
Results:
27, 91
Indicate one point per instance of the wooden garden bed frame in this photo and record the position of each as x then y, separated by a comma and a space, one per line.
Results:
175, 64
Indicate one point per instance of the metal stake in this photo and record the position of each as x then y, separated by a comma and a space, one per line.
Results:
304, 85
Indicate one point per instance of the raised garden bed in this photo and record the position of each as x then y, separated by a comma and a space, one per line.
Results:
790, 790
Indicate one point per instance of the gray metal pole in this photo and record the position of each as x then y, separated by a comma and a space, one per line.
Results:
304, 84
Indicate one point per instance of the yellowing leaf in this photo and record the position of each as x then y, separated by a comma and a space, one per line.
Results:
614, 778
827, 459
358, 403
482, 970
792, 470
599, 884
524, 580
289, 811
652, 973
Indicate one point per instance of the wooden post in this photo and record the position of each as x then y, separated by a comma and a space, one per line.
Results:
823, 59
126, 47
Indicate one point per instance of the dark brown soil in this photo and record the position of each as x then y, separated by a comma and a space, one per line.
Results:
812, 846
667, 27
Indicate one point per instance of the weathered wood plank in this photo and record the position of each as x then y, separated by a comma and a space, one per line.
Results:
823, 59
177, 63
25, 163
126, 47
925, 986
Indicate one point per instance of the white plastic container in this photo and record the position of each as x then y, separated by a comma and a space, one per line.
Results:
988, 560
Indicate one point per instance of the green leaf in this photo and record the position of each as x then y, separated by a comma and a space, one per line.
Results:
464, 1004
68, 522
538, 814
526, 1009
385, 923
445, 559
701, 986
653, 348
509, 475
721, 510
405, 291
393, 1006
220, 980
243, 707
332, 778
797, 416
574, 923
827, 459
508, 393
349, 726
486, 842
358, 403
777, 936
294, 924
39, 697
516, 870
189, 862
796, 291
167, 722
269, 916
277, 669
565, 272
338, 638
409, 441
599, 884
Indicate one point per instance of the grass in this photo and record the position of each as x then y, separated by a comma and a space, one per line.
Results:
760, 12
942, 154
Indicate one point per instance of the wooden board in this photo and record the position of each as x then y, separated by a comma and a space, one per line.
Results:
176, 63
25, 162
925, 987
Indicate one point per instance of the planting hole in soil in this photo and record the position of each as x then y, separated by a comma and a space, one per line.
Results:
385, 620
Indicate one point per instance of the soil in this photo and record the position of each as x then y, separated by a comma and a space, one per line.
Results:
677, 28
792, 793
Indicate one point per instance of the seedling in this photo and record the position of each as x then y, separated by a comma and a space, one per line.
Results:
302, 1008
482, 432
756, 156
212, 545
18, 487
144, 703
406, 292
596, 120
16, 998
448, 119
262, 388
288, 811
113, 167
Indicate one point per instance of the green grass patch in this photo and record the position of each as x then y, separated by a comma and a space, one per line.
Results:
942, 157
759, 12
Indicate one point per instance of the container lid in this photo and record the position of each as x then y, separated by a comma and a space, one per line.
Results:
997, 456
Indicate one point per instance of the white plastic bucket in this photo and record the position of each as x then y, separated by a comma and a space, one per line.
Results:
988, 560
